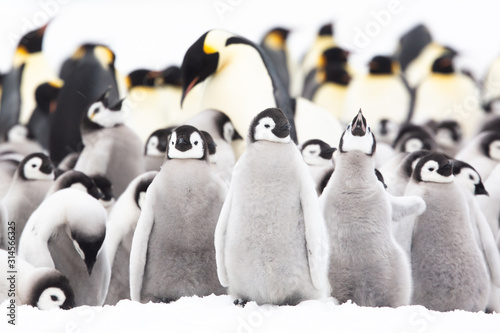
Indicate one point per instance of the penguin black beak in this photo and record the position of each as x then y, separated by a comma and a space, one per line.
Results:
282, 131
47, 168
94, 191
329, 152
446, 170
182, 144
237, 136
480, 189
358, 127
68, 305
90, 265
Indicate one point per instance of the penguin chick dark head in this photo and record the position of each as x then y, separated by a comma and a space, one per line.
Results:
78, 180
51, 290
200, 61
141, 189
105, 187
410, 161
467, 175
211, 146
490, 145
358, 137
157, 143
36, 166
226, 127
434, 168
448, 133
88, 247
317, 152
270, 125
103, 114
187, 142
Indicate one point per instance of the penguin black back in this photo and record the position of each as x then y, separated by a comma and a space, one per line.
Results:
412, 43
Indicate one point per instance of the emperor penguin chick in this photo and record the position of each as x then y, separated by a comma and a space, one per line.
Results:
367, 266
172, 252
285, 259
318, 155
448, 268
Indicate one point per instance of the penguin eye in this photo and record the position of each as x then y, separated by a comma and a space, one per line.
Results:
54, 298
33, 165
172, 143
267, 125
470, 177
431, 169
196, 143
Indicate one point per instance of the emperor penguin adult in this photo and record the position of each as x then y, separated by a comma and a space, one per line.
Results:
472, 186
455, 275
172, 252
274, 45
318, 155
32, 180
88, 73
482, 152
286, 260
382, 91
156, 146
222, 130
111, 148
448, 95
332, 89
217, 60
367, 265
67, 233
41, 287
120, 228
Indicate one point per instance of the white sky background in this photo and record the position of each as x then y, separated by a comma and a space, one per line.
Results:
155, 34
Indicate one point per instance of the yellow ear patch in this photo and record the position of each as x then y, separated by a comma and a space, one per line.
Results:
57, 83
79, 53
104, 55
275, 40
20, 56
209, 49
321, 61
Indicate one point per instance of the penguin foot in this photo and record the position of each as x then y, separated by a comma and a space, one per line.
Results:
165, 300
241, 302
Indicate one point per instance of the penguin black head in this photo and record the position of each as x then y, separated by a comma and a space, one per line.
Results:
317, 152
46, 96
187, 142
200, 61
448, 133
434, 168
276, 38
32, 41
326, 30
444, 64
140, 191
157, 142
101, 113
105, 187
334, 56
410, 161
490, 145
380, 177
358, 137
52, 290
211, 146
170, 76
338, 75
382, 65
88, 247
36, 166
270, 125
493, 124
466, 174
142, 78
101, 52
78, 180
226, 127
412, 137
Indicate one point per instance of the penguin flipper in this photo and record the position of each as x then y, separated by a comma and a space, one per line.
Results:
139, 249
316, 235
488, 244
406, 205
220, 239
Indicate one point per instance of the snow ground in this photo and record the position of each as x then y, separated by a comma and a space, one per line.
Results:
218, 314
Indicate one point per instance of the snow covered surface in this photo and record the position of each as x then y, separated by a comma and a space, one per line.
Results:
218, 314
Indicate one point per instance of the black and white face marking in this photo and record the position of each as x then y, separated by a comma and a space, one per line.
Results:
140, 191
157, 142
211, 146
448, 133
52, 291
186, 142
358, 137
410, 162
105, 115
468, 176
434, 168
317, 152
37, 166
51, 298
229, 132
88, 249
494, 150
270, 125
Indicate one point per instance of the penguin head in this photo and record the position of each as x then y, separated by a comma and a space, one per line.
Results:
51, 290
211, 146
88, 247
358, 137
32, 41
226, 127
386, 131
18, 134
448, 133
36, 166
157, 142
141, 78
333, 56
490, 145
102, 114
382, 65
410, 161
187, 142
444, 64
200, 61
270, 125
276, 38
334, 74
103, 54
468, 176
412, 137
170, 76
46, 95
326, 30
140, 191
434, 168
78, 180
317, 152
105, 188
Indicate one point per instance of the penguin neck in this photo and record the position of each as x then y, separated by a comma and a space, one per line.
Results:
356, 169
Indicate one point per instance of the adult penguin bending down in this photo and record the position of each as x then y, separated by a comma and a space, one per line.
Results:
285, 256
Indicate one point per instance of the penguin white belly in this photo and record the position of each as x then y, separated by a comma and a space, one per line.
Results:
491, 88
420, 67
443, 97
331, 97
379, 98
